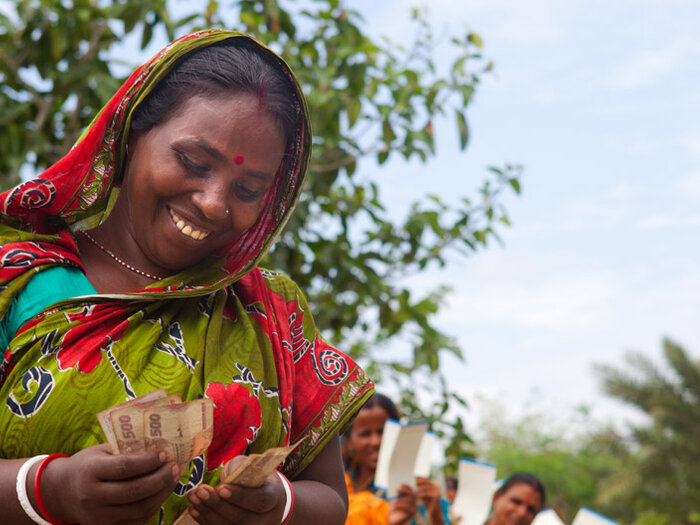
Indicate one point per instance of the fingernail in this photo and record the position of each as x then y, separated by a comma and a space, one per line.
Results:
176, 472
193, 499
194, 513
204, 494
225, 493
162, 456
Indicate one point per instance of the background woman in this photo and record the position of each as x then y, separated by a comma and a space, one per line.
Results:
131, 264
361, 449
517, 501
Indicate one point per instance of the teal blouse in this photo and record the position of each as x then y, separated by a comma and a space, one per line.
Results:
43, 289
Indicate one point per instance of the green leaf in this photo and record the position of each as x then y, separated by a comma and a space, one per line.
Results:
462, 128
475, 39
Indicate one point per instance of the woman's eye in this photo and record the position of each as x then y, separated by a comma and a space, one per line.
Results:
191, 165
246, 194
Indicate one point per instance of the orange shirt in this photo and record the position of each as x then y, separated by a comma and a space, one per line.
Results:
364, 508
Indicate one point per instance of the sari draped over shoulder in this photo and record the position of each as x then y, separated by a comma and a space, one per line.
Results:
226, 329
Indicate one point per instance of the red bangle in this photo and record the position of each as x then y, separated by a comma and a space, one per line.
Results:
37, 488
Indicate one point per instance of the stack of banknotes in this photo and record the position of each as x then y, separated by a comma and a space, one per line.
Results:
157, 421
183, 430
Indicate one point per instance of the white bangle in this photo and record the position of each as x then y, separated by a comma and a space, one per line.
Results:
288, 494
22, 490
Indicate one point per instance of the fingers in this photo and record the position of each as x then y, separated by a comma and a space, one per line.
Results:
235, 504
139, 488
125, 466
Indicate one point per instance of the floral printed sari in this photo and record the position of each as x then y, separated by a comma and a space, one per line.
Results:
225, 328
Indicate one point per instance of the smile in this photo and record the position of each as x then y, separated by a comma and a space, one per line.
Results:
187, 229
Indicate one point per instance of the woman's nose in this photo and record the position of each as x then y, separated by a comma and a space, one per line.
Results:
212, 202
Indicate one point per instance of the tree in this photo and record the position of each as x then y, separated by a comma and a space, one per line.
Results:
370, 100
662, 482
572, 457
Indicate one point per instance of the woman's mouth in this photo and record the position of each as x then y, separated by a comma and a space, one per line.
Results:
188, 229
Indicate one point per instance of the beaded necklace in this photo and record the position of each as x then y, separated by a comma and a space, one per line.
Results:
117, 259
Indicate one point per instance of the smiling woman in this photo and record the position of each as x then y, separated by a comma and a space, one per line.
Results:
131, 265
517, 501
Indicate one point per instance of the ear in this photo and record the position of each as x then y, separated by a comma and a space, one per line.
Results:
128, 150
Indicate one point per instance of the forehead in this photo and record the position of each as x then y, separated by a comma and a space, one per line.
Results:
529, 495
372, 417
223, 112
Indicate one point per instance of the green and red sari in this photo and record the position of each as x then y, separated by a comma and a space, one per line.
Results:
225, 329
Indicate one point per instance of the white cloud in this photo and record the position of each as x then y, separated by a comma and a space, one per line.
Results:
533, 22
527, 293
690, 142
649, 66
688, 185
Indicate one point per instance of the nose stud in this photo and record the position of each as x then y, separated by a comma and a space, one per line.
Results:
228, 212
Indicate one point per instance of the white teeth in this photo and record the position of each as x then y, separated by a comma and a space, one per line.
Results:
186, 229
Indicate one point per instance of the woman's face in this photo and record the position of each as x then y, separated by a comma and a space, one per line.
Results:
197, 181
366, 436
516, 506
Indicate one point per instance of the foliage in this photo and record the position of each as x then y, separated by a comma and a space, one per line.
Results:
663, 481
371, 100
571, 458
431, 401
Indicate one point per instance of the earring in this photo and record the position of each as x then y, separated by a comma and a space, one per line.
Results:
228, 212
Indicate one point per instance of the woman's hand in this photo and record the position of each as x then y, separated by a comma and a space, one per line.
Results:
228, 504
95, 486
428, 494
403, 507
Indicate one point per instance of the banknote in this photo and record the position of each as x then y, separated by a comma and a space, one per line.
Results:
252, 472
182, 430
255, 469
106, 423
129, 425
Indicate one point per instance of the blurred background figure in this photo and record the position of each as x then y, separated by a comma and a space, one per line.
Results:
367, 506
517, 501
450, 488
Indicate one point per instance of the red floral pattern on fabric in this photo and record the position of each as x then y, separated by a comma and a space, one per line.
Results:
18, 257
237, 418
83, 344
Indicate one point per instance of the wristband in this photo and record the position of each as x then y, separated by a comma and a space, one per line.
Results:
37, 488
289, 503
22, 490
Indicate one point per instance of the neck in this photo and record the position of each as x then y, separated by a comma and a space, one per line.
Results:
104, 273
364, 478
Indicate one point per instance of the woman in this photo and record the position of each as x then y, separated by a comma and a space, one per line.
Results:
131, 264
361, 449
517, 501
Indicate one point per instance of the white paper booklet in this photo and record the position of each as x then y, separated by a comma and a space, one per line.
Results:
397, 455
588, 517
424, 458
474, 492
547, 517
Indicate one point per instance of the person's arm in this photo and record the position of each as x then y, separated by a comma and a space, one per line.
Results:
403, 507
429, 494
320, 496
92, 486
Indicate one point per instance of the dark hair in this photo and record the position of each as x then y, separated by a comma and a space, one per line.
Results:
233, 65
381, 401
523, 478
450, 483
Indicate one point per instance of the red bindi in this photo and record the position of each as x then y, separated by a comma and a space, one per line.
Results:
238, 159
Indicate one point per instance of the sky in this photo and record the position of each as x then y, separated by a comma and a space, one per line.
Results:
600, 102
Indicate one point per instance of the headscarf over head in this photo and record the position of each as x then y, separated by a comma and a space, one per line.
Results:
78, 191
